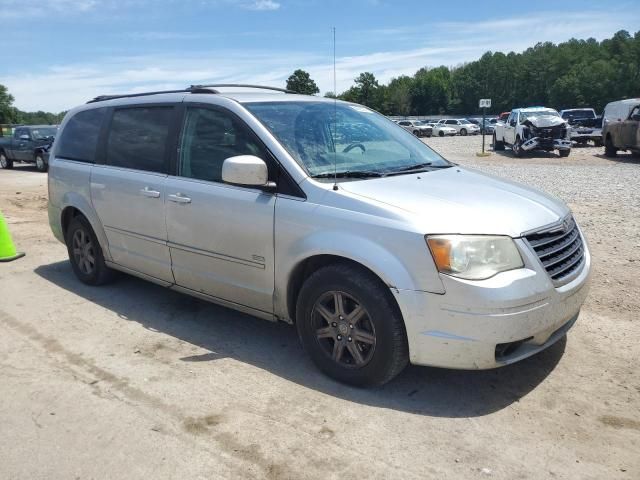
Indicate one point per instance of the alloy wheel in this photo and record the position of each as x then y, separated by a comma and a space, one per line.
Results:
3, 160
40, 162
84, 252
344, 329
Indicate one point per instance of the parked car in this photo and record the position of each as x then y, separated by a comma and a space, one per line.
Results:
462, 126
377, 248
585, 125
442, 130
28, 144
620, 127
533, 128
487, 127
418, 128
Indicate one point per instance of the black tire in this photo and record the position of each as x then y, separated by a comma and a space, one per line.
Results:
517, 148
463, 132
416, 133
5, 162
564, 153
93, 272
386, 350
41, 164
441, 133
609, 149
497, 146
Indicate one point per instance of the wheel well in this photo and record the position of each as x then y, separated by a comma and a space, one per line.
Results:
68, 214
308, 267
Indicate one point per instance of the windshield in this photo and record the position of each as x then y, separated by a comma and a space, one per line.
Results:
356, 139
538, 113
41, 133
579, 114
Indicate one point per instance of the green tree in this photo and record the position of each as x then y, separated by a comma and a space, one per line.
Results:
301, 82
8, 113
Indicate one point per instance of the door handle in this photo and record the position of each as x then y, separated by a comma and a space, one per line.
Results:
147, 192
179, 198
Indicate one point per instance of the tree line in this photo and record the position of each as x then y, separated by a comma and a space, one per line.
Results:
10, 114
576, 73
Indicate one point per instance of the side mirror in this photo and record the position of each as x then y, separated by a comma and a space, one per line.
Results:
24, 137
245, 170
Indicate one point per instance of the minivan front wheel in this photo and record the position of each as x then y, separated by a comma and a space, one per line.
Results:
350, 326
85, 253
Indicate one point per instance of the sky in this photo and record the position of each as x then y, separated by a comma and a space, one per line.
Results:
60, 53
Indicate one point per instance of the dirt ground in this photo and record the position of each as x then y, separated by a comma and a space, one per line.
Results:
134, 381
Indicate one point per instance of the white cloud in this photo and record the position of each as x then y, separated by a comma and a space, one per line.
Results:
262, 5
10, 9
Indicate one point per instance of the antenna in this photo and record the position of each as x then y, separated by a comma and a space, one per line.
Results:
335, 116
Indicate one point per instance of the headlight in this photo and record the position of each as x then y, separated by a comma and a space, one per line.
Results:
474, 257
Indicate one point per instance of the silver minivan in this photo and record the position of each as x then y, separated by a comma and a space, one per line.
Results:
320, 213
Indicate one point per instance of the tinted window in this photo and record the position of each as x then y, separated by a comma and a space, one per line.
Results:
138, 138
209, 137
451, 122
80, 136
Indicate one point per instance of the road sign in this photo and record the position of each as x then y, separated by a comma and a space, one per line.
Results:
485, 103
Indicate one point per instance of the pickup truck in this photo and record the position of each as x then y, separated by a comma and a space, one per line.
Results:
585, 125
621, 127
533, 128
28, 144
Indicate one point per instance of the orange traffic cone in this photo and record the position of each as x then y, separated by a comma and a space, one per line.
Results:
7, 250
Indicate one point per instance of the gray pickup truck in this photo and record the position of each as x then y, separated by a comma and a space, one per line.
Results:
28, 144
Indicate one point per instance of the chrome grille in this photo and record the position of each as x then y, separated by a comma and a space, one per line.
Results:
559, 248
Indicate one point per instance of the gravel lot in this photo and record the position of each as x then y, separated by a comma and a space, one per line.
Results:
131, 380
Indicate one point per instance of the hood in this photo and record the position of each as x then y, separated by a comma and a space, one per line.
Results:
457, 200
544, 121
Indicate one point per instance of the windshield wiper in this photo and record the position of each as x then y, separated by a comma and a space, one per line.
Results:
418, 167
350, 174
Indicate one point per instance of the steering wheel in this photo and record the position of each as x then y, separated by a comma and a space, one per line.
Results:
350, 147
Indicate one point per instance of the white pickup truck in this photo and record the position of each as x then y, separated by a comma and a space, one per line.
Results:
533, 128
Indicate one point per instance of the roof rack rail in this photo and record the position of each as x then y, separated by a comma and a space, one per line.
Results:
102, 98
241, 85
191, 89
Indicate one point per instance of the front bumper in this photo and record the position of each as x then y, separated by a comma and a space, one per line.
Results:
495, 322
547, 144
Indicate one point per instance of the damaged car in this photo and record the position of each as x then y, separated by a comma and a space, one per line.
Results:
533, 128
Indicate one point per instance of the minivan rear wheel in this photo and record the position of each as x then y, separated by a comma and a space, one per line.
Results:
349, 324
85, 253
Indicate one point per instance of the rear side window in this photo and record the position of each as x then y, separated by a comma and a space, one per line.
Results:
138, 138
79, 138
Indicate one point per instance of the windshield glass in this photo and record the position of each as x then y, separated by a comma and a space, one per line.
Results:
538, 113
357, 139
578, 114
46, 132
